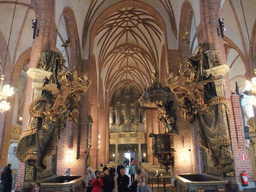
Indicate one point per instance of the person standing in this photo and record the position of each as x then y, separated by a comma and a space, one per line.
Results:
97, 183
17, 188
138, 168
90, 177
104, 168
134, 184
132, 171
108, 182
6, 178
142, 186
112, 171
119, 167
122, 181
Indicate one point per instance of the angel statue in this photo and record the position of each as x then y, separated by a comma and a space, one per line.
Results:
61, 94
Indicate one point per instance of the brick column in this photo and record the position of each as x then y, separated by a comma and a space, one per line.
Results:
45, 15
149, 129
151, 126
238, 143
93, 96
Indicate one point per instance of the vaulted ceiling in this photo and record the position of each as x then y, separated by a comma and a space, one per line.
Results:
128, 48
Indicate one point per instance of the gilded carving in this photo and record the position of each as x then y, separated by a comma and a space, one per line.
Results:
197, 98
58, 103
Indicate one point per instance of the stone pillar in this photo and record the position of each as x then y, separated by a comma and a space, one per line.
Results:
116, 153
139, 152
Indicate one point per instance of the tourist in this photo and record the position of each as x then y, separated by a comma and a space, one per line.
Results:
112, 171
138, 168
37, 188
97, 183
132, 171
142, 186
105, 167
122, 181
6, 178
90, 177
108, 182
119, 167
17, 188
134, 184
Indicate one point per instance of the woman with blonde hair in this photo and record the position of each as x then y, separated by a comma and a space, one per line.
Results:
90, 177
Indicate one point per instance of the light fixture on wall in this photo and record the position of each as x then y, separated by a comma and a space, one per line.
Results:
6, 90
221, 28
36, 30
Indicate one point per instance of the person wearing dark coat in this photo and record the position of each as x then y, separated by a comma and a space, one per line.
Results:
112, 171
6, 178
122, 181
105, 167
108, 181
119, 167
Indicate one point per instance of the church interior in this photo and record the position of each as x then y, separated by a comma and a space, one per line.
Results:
168, 83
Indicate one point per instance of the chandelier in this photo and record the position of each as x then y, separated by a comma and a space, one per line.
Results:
6, 90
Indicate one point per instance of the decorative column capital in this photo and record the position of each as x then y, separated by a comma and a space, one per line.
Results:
217, 71
38, 74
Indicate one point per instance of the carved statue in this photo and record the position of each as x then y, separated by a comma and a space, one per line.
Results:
196, 95
200, 60
48, 114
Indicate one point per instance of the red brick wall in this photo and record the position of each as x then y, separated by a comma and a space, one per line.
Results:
238, 142
67, 155
184, 161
